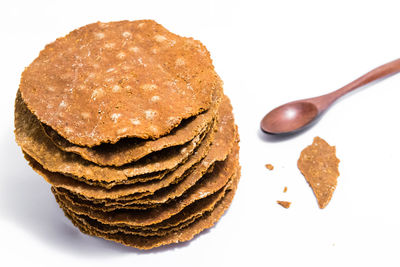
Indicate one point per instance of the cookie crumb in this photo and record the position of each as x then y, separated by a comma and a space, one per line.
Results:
285, 204
269, 166
285, 189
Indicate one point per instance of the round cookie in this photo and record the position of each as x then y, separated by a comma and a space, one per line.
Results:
204, 222
132, 149
220, 148
213, 182
106, 81
185, 217
138, 189
36, 144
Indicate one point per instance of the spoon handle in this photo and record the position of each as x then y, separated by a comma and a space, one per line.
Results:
323, 102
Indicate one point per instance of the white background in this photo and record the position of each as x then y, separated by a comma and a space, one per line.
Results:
267, 53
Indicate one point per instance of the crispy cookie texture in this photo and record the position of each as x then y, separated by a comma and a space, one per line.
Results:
134, 189
187, 215
211, 183
127, 150
320, 166
207, 220
219, 149
36, 144
106, 81
225, 140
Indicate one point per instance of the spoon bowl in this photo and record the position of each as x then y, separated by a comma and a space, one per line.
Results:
290, 117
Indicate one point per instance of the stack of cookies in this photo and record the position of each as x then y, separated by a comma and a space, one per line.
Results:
129, 124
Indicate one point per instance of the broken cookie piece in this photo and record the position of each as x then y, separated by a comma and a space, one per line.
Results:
285, 204
319, 165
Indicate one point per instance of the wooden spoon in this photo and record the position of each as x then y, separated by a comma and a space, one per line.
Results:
297, 115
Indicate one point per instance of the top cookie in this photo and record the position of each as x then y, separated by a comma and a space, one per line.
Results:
107, 81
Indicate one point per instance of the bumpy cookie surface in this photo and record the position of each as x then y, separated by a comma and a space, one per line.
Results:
107, 81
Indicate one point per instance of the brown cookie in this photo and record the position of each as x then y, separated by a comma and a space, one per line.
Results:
167, 175
104, 228
223, 141
207, 186
128, 123
106, 81
188, 215
175, 190
136, 187
132, 149
184, 234
219, 150
35, 143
